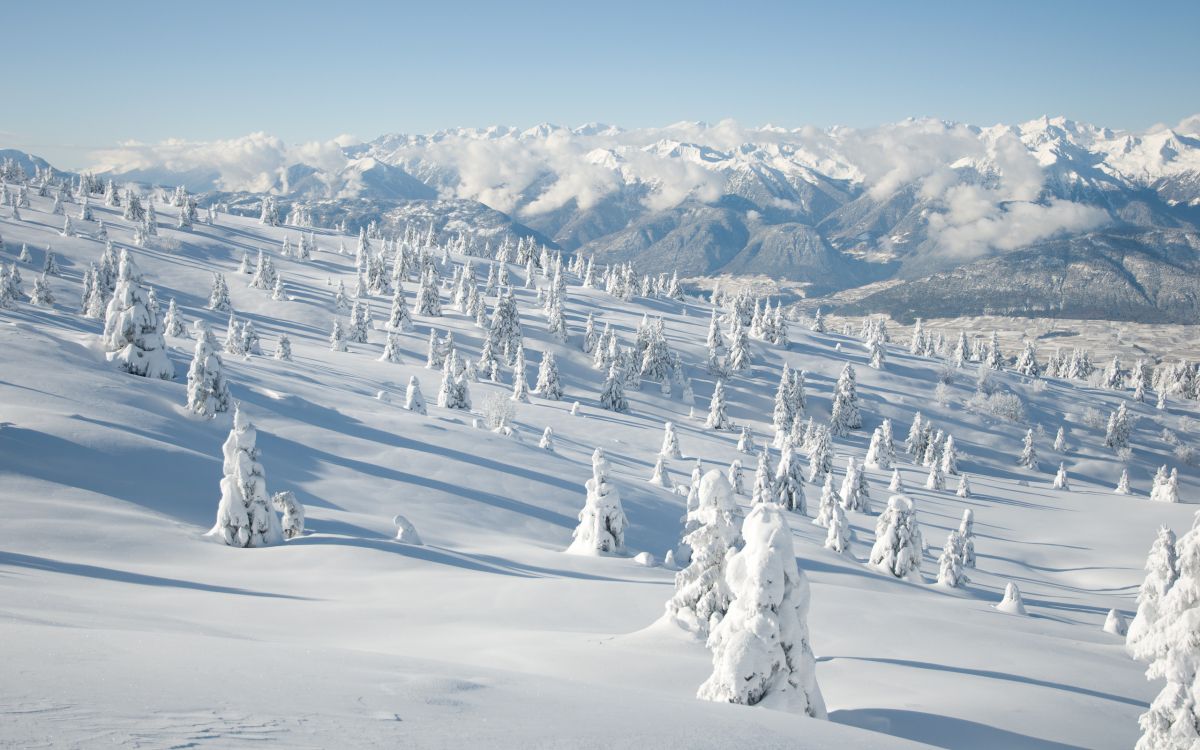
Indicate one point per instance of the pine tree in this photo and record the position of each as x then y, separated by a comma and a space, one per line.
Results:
789, 482
951, 568
829, 499
360, 322
391, 349
132, 336
739, 351
898, 544
966, 531
877, 456
1142, 639
764, 486
337, 337
1061, 482
244, 516
701, 595
845, 415
745, 442
1120, 427
413, 400
717, 418
612, 393
520, 390
1166, 490
670, 443
173, 322
761, 651
661, 476
293, 513
949, 457
1029, 458
429, 301
820, 456
1123, 484
207, 391
218, 299
1060, 440
283, 348
41, 295
548, 385
602, 521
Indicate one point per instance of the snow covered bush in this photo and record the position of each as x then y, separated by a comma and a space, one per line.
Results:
760, 649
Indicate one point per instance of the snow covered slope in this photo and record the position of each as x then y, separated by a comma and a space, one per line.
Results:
122, 623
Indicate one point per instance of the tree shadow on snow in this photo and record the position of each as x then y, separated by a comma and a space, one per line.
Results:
942, 731
124, 576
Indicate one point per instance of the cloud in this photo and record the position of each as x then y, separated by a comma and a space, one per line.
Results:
254, 162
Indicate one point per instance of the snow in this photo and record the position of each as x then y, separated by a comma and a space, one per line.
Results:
122, 623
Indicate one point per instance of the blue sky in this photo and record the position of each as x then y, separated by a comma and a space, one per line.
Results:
306, 71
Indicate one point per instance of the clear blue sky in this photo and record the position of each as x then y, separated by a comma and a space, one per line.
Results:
306, 70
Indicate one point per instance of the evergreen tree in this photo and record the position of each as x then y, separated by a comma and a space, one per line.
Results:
132, 336
283, 348
173, 322
717, 418
1061, 482
789, 481
548, 385
949, 457
391, 349
612, 393
661, 476
520, 385
207, 391
1120, 427
218, 299
293, 513
1029, 458
1167, 490
244, 516
337, 337
951, 570
413, 400
701, 594
670, 443
602, 521
761, 651
41, 295
845, 415
820, 457
1123, 484
898, 544
745, 442
739, 351
764, 486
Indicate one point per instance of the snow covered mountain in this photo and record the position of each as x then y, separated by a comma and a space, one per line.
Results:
123, 619
826, 210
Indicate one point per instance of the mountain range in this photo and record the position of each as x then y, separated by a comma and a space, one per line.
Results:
923, 217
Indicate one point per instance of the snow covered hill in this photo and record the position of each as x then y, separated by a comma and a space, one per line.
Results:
123, 622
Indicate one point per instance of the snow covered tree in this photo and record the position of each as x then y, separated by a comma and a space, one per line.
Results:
966, 531
764, 486
1120, 427
949, 457
964, 487
520, 390
789, 481
548, 385
293, 513
391, 349
670, 443
41, 295
914, 444
717, 418
1027, 363
845, 415
207, 391
244, 516
951, 568
898, 544
1122, 487
877, 454
218, 299
1061, 482
855, 494
1060, 440
413, 400
820, 456
739, 350
829, 498
1029, 458
783, 415
735, 477
452, 394
1166, 490
602, 522
761, 650
132, 336
429, 301
612, 392
173, 322
1012, 603
745, 442
283, 348
1161, 566
701, 595
660, 477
